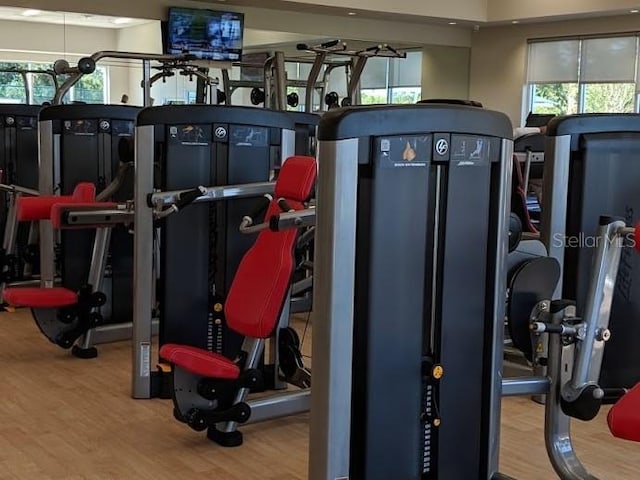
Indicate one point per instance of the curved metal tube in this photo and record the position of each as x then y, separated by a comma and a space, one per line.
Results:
75, 75
116, 183
557, 425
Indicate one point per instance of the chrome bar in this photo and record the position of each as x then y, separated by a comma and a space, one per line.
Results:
527, 172
279, 405
212, 193
48, 154
99, 217
143, 248
146, 82
115, 332
498, 308
590, 348
557, 425
521, 386
553, 225
354, 81
312, 80
99, 258
18, 189
330, 424
254, 348
298, 219
281, 82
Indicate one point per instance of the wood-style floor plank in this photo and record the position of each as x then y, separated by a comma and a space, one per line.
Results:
62, 418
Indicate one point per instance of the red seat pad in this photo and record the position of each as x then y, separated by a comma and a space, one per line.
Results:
624, 416
59, 209
39, 208
261, 283
200, 362
40, 297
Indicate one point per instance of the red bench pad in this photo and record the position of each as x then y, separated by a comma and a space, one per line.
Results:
624, 416
59, 209
40, 297
259, 288
31, 209
200, 362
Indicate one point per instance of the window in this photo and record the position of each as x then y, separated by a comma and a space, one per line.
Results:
90, 88
383, 80
41, 88
591, 75
392, 80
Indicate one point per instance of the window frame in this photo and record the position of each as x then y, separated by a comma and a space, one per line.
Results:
582, 85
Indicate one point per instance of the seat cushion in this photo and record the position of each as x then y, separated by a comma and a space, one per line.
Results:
40, 297
201, 362
624, 416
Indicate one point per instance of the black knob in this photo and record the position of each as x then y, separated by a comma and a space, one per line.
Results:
257, 96
331, 99
293, 100
195, 419
87, 65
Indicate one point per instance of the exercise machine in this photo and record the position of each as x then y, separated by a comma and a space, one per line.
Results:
412, 210
233, 150
19, 166
590, 168
78, 144
210, 390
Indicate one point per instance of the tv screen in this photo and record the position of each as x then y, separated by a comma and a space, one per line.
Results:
207, 34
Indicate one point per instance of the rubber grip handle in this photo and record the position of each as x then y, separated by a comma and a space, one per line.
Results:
187, 198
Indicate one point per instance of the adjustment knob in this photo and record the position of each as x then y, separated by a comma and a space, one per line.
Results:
195, 419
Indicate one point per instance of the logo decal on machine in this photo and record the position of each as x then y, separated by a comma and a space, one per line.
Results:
442, 147
221, 132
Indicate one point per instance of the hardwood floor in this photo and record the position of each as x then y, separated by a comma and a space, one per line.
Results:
67, 419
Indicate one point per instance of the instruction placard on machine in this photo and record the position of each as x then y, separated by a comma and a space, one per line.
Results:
404, 151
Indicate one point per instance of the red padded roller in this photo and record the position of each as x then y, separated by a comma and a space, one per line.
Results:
200, 362
31, 209
40, 297
636, 238
59, 209
624, 416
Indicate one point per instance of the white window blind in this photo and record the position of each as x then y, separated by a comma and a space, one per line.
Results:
554, 62
374, 74
406, 72
608, 60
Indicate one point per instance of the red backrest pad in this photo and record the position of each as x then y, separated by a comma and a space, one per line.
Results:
624, 416
31, 209
259, 289
296, 181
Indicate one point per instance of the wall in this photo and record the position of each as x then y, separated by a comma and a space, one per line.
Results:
301, 21
500, 10
499, 55
49, 42
445, 72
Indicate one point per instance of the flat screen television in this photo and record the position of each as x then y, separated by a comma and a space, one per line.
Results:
206, 34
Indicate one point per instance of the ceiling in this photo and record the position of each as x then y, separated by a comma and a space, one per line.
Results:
66, 18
